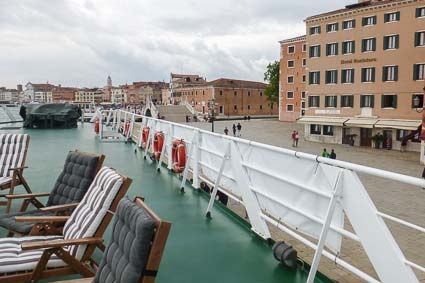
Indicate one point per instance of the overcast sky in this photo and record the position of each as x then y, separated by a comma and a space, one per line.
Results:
80, 42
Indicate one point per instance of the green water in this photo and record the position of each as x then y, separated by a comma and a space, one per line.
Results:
198, 250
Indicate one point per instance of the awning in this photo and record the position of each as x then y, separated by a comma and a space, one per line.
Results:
361, 122
323, 120
398, 124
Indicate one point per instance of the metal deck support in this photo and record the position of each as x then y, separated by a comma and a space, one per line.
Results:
325, 229
196, 158
193, 144
151, 133
170, 147
226, 157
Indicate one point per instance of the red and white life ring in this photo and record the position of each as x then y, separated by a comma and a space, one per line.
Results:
127, 128
96, 125
158, 143
178, 154
145, 135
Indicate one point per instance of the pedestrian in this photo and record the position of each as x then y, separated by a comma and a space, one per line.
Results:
239, 127
249, 118
333, 154
293, 135
234, 130
325, 153
226, 131
297, 137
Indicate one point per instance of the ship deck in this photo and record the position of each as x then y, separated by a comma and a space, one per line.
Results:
221, 249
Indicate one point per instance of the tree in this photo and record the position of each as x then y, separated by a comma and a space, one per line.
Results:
272, 77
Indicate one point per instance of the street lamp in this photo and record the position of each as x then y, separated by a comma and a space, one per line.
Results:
212, 115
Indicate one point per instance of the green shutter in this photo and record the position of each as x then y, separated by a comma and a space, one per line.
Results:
320, 29
382, 101
336, 76
336, 48
363, 45
318, 101
318, 78
326, 101
374, 20
328, 48
415, 72
362, 98
318, 51
311, 51
416, 39
373, 44
384, 74
343, 73
337, 26
310, 78
397, 37
351, 101
353, 47
386, 18
344, 47
352, 75
328, 27
309, 101
418, 14
397, 15
363, 74
394, 101
354, 23
327, 75
373, 74
372, 101
386, 39
396, 73
311, 31
336, 101
364, 20
343, 99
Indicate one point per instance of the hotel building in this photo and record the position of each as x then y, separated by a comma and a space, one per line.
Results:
365, 72
293, 78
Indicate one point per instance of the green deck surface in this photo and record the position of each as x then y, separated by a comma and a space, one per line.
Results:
198, 249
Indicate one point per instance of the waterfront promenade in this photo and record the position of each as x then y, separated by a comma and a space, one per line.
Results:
405, 202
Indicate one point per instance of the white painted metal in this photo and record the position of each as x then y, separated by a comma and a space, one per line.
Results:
188, 157
195, 161
170, 147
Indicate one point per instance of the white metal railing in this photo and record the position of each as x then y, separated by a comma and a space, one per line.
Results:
289, 189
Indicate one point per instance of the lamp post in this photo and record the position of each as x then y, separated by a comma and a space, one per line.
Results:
212, 115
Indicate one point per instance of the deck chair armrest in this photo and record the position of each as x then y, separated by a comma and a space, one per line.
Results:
41, 219
27, 196
18, 168
60, 243
79, 280
60, 207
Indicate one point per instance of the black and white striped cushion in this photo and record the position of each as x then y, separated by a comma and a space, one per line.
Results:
13, 148
84, 222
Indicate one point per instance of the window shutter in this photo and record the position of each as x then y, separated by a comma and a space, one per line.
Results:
394, 105
397, 37
318, 78
413, 105
318, 51
397, 15
337, 26
343, 98
309, 101
320, 29
363, 74
351, 101
372, 101
373, 74
386, 18
326, 101
352, 75
354, 23
336, 76
336, 101
363, 45
382, 101
336, 48
311, 31
311, 51
344, 47
386, 42
415, 72
418, 12
374, 20
396, 73
328, 48
364, 21
343, 74
362, 98
318, 101
353, 46
328, 28
310, 79
384, 73
416, 39
373, 44
327, 75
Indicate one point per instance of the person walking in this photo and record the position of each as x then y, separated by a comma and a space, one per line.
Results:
226, 131
297, 137
293, 138
333, 154
325, 153
239, 127
234, 130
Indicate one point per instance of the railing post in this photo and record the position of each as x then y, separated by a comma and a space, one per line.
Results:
196, 156
151, 130
170, 147
189, 156
325, 229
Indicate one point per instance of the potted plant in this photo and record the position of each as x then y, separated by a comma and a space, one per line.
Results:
378, 140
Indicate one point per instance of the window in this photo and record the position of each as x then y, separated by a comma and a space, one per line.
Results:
348, 47
249, 107
203, 92
369, 21
368, 75
347, 76
347, 101
290, 95
389, 73
261, 107
315, 129
314, 78
249, 93
235, 107
221, 92
331, 77
419, 72
328, 130
291, 49
349, 24
315, 30
333, 27
314, 101
420, 12
331, 49
304, 48
389, 101
304, 62
289, 107
303, 94
235, 93
331, 101
261, 93
367, 101
290, 79
315, 51
392, 17
419, 38
303, 78
291, 63
400, 134
368, 44
391, 42
417, 100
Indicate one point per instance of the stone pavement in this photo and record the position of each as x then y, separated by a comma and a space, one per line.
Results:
403, 201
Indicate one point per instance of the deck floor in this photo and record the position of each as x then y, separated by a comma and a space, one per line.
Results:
198, 249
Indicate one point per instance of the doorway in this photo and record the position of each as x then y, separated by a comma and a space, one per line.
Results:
346, 135
365, 137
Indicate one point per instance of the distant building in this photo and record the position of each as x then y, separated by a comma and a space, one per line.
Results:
62, 94
141, 92
366, 71
9, 95
178, 81
293, 78
231, 97
119, 95
39, 92
107, 90
89, 95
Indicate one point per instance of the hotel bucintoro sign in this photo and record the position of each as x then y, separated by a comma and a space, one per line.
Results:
356, 61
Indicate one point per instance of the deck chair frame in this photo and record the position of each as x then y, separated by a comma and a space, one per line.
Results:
47, 228
57, 247
17, 179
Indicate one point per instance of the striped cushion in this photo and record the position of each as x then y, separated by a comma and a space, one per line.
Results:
84, 222
13, 148
89, 213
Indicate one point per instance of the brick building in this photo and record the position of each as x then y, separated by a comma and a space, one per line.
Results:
63, 94
292, 94
179, 81
140, 92
39, 92
232, 97
89, 95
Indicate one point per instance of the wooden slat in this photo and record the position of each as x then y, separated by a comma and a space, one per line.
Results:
18, 196
60, 243
59, 207
40, 219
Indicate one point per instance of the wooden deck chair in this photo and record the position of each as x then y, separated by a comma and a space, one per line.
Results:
13, 153
78, 173
137, 244
30, 258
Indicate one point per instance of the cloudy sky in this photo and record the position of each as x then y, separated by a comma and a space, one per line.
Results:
80, 42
